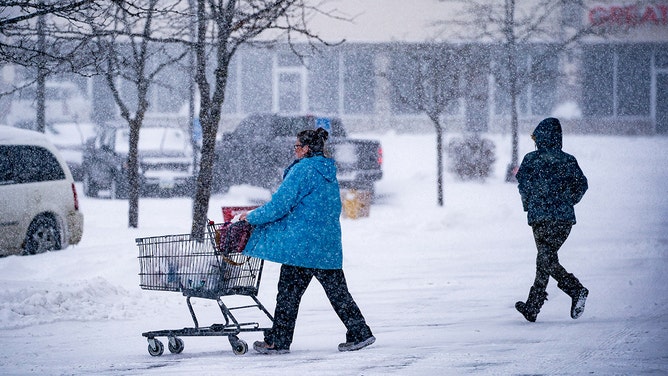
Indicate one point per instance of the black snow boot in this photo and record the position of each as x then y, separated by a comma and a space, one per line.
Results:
534, 302
578, 293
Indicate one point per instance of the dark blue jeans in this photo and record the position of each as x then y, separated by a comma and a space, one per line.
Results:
292, 284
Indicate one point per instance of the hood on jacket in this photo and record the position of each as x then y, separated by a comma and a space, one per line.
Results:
323, 165
547, 134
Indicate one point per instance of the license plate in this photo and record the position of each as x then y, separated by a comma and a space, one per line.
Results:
166, 184
346, 176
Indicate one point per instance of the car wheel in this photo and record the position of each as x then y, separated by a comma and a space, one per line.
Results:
43, 235
89, 187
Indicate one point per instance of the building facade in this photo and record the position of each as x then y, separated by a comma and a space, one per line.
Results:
613, 83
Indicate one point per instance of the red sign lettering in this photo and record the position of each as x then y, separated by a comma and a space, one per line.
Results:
629, 15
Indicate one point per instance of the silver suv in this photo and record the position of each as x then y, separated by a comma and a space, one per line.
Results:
39, 209
166, 164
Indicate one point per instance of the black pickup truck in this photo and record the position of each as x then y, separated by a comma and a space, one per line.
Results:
261, 147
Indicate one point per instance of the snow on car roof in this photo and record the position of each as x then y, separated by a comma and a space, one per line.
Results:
12, 135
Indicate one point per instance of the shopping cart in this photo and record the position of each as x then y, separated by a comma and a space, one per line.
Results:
195, 268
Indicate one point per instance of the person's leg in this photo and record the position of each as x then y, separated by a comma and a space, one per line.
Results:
566, 281
549, 239
552, 237
292, 284
336, 288
537, 294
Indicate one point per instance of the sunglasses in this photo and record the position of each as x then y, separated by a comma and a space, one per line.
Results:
297, 146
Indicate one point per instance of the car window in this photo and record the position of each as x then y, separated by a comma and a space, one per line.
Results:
252, 126
162, 139
337, 129
28, 164
153, 139
69, 134
290, 126
175, 139
6, 175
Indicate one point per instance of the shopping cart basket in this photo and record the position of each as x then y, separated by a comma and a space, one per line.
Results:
195, 268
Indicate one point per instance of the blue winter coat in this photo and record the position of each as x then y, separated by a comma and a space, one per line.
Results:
550, 181
300, 225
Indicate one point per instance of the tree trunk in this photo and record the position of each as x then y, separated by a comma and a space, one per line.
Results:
40, 119
133, 178
439, 156
439, 162
512, 77
210, 107
205, 177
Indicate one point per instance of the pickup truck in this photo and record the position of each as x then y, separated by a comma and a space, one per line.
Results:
261, 147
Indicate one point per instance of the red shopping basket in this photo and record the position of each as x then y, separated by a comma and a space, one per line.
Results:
230, 211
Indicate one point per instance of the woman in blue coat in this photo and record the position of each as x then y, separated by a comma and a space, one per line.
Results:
550, 182
300, 229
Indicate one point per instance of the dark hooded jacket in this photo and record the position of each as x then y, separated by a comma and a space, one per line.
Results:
550, 181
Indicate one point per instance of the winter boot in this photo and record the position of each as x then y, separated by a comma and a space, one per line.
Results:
534, 302
578, 293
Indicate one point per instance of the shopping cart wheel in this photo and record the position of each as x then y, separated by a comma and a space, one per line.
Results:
175, 345
239, 346
155, 347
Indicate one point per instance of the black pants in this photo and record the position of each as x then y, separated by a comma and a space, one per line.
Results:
292, 284
549, 237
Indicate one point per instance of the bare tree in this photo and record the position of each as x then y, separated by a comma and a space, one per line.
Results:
132, 56
512, 24
222, 27
433, 86
48, 36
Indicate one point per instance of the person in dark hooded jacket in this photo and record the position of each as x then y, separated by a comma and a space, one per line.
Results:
550, 182
300, 228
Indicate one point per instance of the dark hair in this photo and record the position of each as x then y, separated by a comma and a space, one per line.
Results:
314, 139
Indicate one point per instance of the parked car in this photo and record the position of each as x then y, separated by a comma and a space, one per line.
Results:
166, 161
261, 147
39, 209
70, 139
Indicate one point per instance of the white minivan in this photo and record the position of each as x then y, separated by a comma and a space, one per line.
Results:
39, 208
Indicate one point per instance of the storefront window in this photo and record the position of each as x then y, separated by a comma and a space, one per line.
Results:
323, 84
616, 81
537, 69
403, 73
633, 81
428, 76
358, 82
661, 59
544, 68
257, 84
598, 81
